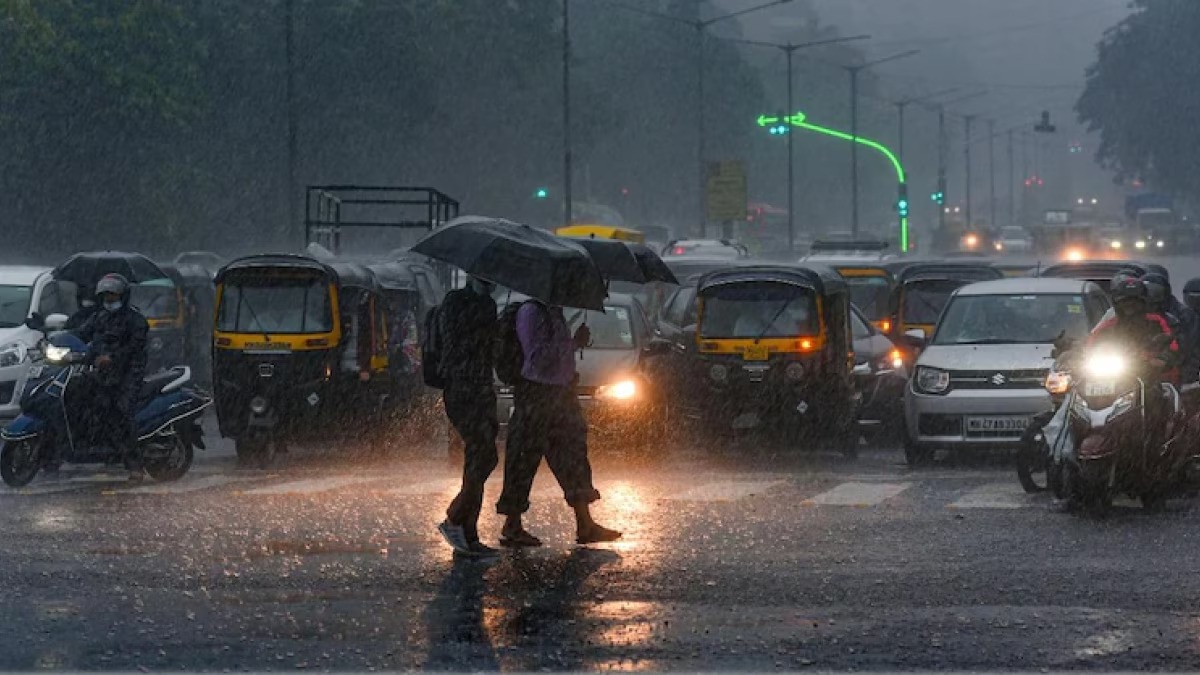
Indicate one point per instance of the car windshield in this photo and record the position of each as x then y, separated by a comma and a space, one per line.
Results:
758, 309
275, 305
611, 329
156, 299
1012, 319
924, 299
870, 295
14, 305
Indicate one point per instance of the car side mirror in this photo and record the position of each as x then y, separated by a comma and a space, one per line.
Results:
56, 322
916, 338
35, 321
657, 347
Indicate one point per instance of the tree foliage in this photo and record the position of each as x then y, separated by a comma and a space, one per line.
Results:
1141, 96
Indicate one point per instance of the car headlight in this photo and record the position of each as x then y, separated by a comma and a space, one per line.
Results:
1115, 244
619, 391
12, 354
718, 373
1105, 365
1140, 243
1058, 383
1160, 243
57, 354
794, 371
932, 380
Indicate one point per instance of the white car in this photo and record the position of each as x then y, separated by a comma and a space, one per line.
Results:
1014, 240
980, 378
23, 291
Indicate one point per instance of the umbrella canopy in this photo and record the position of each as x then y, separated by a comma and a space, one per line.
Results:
627, 261
85, 269
530, 261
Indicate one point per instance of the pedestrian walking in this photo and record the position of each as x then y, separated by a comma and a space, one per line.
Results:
547, 422
466, 330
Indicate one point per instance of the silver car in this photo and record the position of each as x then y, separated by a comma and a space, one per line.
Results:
980, 378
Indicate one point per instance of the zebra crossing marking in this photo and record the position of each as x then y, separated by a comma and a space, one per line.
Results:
857, 494
993, 496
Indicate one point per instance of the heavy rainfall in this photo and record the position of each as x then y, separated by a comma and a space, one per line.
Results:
854, 335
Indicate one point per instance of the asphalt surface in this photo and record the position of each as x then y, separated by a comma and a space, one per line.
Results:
736, 557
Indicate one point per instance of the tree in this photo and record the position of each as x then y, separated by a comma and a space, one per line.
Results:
1141, 96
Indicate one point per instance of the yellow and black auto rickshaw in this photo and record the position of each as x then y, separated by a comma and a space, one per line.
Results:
161, 302
870, 288
299, 347
602, 232
774, 343
923, 288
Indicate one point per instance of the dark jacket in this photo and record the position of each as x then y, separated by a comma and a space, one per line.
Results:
468, 331
1188, 334
81, 317
120, 335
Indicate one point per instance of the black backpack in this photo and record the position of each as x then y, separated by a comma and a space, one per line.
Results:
431, 349
510, 357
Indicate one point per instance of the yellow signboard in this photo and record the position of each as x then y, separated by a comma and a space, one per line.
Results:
725, 191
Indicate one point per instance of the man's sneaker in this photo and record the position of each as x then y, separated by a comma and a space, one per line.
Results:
455, 536
476, 549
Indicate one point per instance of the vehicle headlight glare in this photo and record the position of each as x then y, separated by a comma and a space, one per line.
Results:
932, 380
12, 354
1140, 244
1105, 365
1115, 244
620, 391
1160, 243
794, 371
57, 354
718, 373
1058, 383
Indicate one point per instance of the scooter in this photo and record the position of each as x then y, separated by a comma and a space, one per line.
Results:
53, 426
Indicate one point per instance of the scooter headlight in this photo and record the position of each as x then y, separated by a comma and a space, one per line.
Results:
1058, 383
1106, 365
57, 355
623, 390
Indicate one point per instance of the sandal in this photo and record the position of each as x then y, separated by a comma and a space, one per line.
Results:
519, 539
597, 534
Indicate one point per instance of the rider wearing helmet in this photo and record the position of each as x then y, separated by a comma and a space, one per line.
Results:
116, 337
1136, 327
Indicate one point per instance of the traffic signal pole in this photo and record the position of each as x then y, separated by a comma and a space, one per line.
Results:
942, 166
568, 214
791, 172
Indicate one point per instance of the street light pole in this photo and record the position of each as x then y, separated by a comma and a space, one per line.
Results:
992, 173
566, 113
968, 119
290, 96
854, 71
942, 166
1012, 216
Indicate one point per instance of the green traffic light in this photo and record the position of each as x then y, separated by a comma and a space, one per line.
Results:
541, 193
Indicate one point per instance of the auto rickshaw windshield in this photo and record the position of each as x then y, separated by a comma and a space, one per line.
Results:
155, 299
870, 295
759, 310
275, 305
924, 299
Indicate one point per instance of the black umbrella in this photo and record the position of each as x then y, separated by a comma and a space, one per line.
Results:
519, 257
85, 269
627, 261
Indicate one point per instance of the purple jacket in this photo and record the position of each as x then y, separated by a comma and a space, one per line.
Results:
548, 345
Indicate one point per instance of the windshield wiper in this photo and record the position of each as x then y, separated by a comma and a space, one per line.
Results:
242, 300
767, 328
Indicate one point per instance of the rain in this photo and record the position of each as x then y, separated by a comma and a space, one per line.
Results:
591, 335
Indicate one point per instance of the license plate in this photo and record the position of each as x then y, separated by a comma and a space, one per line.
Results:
1100, 389
997, 423
756, 353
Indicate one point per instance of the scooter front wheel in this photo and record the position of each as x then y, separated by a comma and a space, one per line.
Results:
20, 461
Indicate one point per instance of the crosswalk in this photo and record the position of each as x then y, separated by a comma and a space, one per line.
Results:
866, 491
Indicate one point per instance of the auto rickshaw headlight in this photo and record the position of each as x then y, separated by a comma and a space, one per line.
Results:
258, 405
718, 373
794, 371
156, 344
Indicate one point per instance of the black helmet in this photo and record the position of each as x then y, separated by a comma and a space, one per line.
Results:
1158, 290
1120, 277
1155, 268
1191, 293
1128, 289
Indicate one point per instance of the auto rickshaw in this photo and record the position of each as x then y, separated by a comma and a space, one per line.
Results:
923, 289
299, 347
1099, 271
870, 287
198, 296
602, 232
411, 289
774, 342
161, 302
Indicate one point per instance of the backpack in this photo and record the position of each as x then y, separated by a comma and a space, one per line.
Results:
510, 357
431, 349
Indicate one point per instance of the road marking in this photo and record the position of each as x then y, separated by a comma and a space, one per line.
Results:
188, 484
313, 486
55, 486
726, 491
994, 496
858, 494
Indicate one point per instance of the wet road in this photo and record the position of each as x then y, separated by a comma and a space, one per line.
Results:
732, 559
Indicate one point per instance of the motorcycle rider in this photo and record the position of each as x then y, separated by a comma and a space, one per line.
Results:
1184, 323
116, 336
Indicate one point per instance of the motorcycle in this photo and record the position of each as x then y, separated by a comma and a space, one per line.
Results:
1047, 432
1116, 448
54, 426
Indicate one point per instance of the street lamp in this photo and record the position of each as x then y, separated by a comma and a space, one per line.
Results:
904, 103
699, 25
789, 49
941, 186
854, 70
